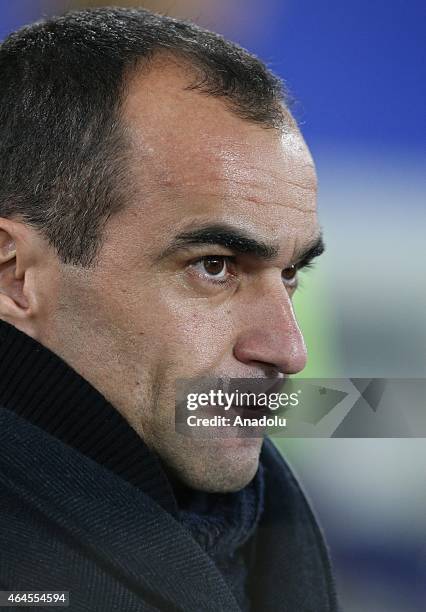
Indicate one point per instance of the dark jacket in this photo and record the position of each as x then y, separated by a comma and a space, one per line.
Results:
73, 518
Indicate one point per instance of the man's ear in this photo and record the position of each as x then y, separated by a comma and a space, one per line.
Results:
15, 297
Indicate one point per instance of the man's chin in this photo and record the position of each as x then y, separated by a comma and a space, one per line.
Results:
222, 465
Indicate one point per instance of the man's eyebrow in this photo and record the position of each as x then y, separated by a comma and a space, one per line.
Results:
315, 249
239, 242
223, 235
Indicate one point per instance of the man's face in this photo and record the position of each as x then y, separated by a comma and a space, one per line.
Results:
172, 297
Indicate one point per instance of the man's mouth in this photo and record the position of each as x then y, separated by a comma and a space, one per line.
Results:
248, 411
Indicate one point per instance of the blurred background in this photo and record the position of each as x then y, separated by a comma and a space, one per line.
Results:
356, 72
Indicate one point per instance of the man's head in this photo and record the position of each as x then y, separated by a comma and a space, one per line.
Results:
156, 202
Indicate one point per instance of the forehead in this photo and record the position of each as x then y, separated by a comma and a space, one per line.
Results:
194, 159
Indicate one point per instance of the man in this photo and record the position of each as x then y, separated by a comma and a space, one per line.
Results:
156, 203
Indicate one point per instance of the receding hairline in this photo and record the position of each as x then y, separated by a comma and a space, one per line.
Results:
193, 79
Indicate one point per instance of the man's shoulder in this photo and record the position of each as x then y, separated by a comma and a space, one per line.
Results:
291, 549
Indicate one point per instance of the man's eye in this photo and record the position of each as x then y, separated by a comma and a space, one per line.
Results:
213, 266
289, 275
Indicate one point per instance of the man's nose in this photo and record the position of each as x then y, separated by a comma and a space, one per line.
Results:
271, 334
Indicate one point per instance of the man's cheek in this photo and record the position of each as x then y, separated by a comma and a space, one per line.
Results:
196, 342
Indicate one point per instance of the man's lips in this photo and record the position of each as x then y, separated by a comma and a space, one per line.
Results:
264, 386
241, 395
254, 412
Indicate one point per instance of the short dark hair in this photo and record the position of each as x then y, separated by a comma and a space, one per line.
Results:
62, 150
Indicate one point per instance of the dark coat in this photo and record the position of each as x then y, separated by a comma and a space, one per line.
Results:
68, 523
